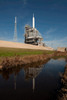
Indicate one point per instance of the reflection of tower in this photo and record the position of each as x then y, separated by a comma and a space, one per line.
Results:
32, 73
33, 84
15, 82
33, 21
15, 30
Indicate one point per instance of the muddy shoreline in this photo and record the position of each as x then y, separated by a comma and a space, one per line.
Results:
11, 62
62, 95
15, 64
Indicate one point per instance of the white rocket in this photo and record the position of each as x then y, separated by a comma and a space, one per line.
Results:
33, 21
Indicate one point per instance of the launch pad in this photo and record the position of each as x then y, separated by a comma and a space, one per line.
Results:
32, 35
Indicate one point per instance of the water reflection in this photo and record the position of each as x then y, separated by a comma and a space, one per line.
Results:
32, 82
32, 73
15, 82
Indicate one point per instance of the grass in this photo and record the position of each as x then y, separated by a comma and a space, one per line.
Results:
8, 52
56, 57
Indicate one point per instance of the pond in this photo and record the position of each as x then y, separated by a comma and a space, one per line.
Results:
32, 83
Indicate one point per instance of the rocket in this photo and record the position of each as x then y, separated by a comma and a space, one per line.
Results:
33, 21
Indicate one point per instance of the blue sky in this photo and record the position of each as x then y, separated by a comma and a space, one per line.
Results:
50, 16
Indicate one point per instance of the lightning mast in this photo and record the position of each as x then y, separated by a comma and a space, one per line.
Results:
15, 30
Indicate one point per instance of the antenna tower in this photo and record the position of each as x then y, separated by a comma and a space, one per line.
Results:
15, 30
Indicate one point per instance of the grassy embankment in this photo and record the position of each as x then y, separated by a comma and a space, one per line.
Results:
10, 52
11, 57
15, 56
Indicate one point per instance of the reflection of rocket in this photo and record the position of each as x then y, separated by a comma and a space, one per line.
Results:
15, 82
33, 84
33, 21
32, 73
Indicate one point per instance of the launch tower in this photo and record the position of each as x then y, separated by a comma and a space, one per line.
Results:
32, 35
15, 30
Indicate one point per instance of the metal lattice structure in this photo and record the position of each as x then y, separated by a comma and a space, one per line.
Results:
32, 35
15, 30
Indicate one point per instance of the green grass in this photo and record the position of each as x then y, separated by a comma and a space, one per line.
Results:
8, 52
56, 57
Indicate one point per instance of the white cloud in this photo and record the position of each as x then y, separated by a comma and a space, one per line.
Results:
5, 35
57, 43
47, 34
50, 30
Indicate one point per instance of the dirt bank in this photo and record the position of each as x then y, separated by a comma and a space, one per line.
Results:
9, 62
15, 70
63, 91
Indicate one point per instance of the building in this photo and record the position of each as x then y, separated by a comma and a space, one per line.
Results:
32, 35
62, 49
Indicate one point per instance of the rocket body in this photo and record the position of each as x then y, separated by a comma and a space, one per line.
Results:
33, 22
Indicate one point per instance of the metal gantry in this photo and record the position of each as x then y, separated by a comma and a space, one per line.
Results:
15, 30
